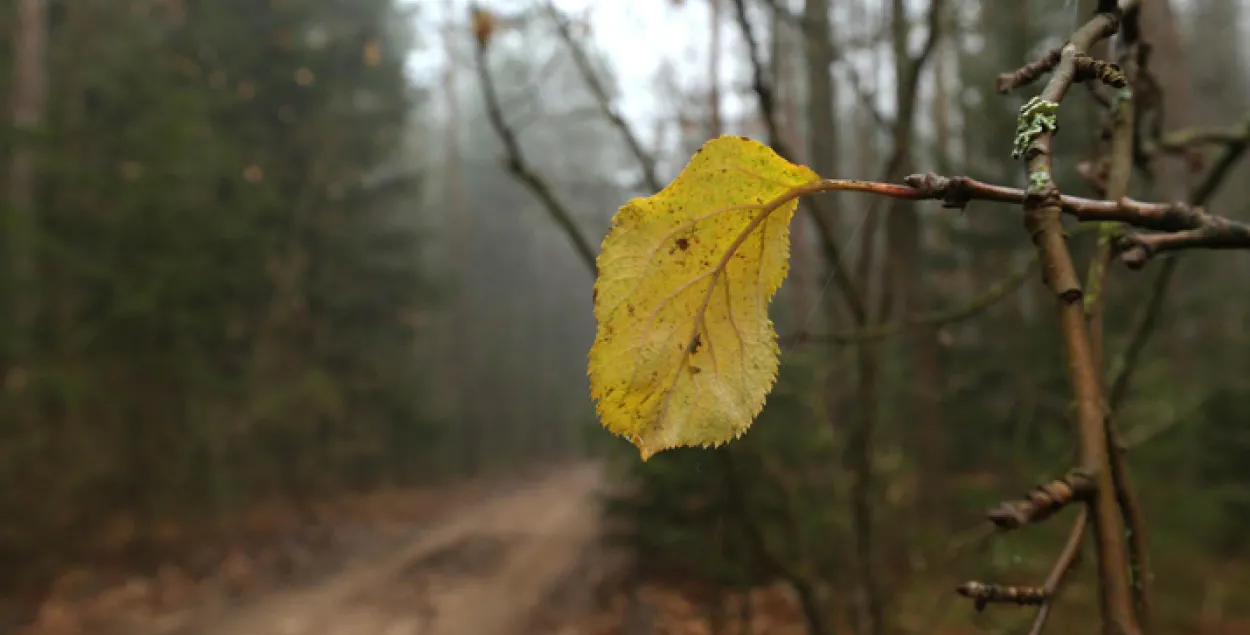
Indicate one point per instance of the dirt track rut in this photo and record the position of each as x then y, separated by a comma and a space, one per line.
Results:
482, 571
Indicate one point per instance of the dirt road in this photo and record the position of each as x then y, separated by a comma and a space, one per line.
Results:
482, 571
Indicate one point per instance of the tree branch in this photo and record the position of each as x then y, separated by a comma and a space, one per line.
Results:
866, 99
1187, 227
992, 295
518, 165
1043, 502
1179, 141
1147, 318
1028, 73
604, 100
1059, 572
851, 294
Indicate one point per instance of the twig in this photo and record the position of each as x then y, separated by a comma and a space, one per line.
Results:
867, 100
850, 292
1145, 326
1148, 317
1213, 233
1186, 139
1187, 227
520, 168
983, 594
1119, 174
903, 128
1067, 561
600, 92
1028, 73
994, 294
1043, 501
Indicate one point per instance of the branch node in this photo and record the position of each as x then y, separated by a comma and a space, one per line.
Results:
954, 192
1135, 250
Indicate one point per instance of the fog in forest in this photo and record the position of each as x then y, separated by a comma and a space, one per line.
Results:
298, 299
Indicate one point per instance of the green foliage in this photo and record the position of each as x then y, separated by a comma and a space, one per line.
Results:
230, 288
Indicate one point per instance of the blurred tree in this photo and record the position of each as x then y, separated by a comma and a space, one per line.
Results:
231, 291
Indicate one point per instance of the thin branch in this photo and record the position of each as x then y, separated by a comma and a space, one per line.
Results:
604, 100
520, 168
1119, 174
1043, 502
1126, 492
1067, 561
867, 100
1144, 325
992, 295
1187, 227
1179, 141
1123, 152
983, 594
1213, 233
910, 82
1232, 154
1148, 317
1028, 73
851, 294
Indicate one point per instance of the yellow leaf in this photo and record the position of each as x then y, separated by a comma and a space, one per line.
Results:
685, 353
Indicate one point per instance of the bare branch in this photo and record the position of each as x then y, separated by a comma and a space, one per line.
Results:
994, 294
1043, 501
850, 291
1067, 561
518, 165
600, 92
867, 100
1186, 227
1028, 73
983, 594
1186, 139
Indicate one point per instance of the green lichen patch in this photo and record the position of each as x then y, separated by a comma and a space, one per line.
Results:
1036, 116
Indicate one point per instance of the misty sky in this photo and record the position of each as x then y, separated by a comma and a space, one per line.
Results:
637, 36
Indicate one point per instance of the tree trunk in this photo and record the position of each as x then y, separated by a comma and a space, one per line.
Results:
30, 96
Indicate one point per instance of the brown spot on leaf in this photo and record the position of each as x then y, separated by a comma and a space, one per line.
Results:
683, 244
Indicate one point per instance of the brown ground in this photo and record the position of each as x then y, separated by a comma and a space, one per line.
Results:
482, 571
484, 567
521, 557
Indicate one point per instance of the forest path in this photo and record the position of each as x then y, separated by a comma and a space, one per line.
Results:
484, 570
